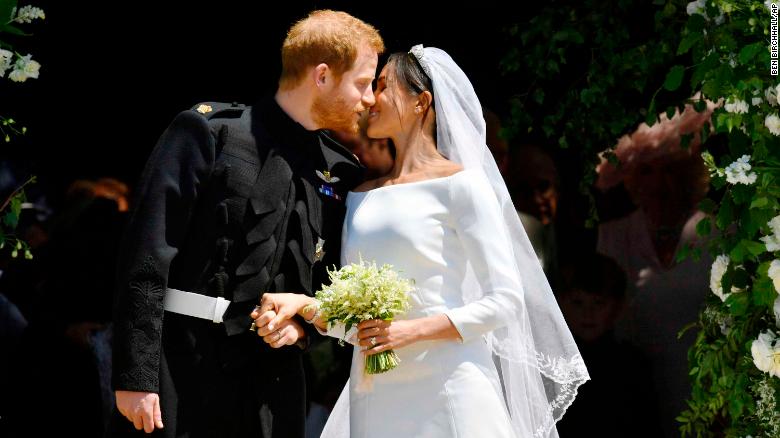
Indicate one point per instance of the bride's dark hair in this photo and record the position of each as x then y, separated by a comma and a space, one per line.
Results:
411, 76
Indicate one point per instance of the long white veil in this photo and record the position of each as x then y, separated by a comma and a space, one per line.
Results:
539, 363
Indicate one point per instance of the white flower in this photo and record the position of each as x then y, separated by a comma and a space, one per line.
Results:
5, 61
756, 101
772, 241
737, 172
772, 122
771, 95
735, 105
766, 353
719, 267
774, 274
25, 68
769, 2
776, 309
697, 7
28, 13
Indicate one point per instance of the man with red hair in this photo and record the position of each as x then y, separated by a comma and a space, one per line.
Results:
236, 201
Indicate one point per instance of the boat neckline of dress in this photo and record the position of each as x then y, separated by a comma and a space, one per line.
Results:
439, 178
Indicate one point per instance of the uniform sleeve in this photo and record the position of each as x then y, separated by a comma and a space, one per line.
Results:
177, 169
480, 227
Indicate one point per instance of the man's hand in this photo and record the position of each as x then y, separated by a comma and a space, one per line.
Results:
141, 408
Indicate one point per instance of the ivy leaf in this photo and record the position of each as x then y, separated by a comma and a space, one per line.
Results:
707, 205
674, 78
749, 52
725, 214
755, 248
764, 293
741, 194
703, 227
760, 202
651, 117
11, 219
738, 303
689, 41
738, 254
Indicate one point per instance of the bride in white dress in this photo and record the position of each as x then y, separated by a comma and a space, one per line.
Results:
484, 349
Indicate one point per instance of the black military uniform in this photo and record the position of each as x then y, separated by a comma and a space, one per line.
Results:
234, 201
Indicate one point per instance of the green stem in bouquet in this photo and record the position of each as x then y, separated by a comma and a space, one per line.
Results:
382, 362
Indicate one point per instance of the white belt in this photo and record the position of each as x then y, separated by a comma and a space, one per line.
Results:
197, 305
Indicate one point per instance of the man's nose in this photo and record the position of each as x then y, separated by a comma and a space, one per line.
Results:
368, 99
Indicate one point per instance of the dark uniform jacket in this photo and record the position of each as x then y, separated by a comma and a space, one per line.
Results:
234, 201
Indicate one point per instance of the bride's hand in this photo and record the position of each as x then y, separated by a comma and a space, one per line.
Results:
387, 335
275, 308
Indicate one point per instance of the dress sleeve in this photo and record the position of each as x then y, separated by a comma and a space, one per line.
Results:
174, 176
479, 225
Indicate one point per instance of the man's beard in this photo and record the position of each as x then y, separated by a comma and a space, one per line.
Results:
333, 113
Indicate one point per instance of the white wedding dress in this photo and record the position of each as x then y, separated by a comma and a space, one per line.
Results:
428, 230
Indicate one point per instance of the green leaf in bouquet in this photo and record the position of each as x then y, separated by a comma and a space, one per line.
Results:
707, 205
13, 30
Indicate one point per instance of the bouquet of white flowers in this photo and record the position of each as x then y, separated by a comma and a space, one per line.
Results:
361, 292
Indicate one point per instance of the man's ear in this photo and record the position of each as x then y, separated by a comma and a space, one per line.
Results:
424, 100
321, 75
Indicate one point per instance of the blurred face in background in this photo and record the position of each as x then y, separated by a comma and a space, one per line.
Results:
589, 315
533, 180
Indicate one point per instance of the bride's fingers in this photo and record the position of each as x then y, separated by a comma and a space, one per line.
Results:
378, 340
380, 347
372, 331
373, 323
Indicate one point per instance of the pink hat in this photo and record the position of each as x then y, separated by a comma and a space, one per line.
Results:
650, 142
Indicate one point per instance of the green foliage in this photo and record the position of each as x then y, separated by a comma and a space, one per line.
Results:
601, 74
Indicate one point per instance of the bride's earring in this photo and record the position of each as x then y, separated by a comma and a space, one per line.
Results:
417, 110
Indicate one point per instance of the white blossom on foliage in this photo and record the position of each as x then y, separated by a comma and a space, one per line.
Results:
756, 101
24, 68
766, 353
772, 241
766, 407
5, 61
771, 95
736, 106
769, 2
696, 7
776, 309
29, 13
719, 267
774, 274
772, 123
737, 172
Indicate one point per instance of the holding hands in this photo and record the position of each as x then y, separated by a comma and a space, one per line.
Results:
273, 318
